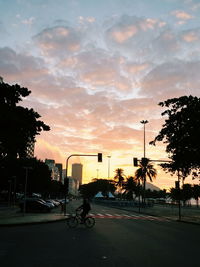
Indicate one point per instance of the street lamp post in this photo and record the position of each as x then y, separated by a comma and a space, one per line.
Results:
144, 122
108, 186
108, 166
144, 182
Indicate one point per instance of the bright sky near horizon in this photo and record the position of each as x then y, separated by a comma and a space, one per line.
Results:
96, 69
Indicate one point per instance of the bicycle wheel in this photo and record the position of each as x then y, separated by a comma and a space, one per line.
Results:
89, 222
72, 222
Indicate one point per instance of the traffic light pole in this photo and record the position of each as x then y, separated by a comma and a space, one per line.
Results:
99, 155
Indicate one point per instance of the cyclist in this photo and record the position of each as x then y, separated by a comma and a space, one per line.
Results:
85, 207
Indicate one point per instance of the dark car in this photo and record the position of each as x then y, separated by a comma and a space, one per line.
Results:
34, 205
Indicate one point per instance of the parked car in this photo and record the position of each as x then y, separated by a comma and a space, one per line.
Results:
56, 202
62, 201
50, 203
34, 205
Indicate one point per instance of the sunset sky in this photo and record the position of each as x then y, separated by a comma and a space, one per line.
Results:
96, 68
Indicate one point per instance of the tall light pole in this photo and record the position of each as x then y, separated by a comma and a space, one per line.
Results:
144, 182
144, 122
108, 186
108, 166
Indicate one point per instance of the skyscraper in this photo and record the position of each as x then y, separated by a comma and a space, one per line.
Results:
30, 149
77, 169
59, 166
55, 173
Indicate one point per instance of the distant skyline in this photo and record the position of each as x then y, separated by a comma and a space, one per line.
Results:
96, 69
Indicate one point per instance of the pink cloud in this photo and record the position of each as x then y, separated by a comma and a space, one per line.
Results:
172, 79
94, 89
191, 36
124, 33
57, 40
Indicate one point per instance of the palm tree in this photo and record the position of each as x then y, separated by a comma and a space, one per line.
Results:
119, 178
130, 187
145, 170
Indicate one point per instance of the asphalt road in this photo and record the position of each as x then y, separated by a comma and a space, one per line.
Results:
119, 239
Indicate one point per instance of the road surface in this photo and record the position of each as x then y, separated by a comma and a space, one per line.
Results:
119, 239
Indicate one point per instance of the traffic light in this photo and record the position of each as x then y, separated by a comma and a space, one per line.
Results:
99, 157
135, 162
145, 161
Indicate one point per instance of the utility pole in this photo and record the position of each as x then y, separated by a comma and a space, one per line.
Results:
108, 166
144, 182
99, 156
179, 196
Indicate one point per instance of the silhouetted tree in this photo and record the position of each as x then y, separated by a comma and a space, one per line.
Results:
130, 187
181, 133
174, 194
119, 178
196, 193
186, 193
97, 185
19, 125
156, 194
145, 170
13, 176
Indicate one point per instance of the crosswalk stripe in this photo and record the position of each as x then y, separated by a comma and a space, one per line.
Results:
135, 215
126, 216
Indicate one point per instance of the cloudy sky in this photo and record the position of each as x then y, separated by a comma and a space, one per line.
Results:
96, 69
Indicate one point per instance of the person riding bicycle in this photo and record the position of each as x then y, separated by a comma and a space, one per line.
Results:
85, 207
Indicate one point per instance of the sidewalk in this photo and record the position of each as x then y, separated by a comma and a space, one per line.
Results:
11, 216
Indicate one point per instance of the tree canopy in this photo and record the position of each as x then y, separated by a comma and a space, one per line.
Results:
91, 189
19, 125
181, 134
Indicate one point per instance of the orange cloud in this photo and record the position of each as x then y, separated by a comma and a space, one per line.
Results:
124, 34
190, 37
180, 14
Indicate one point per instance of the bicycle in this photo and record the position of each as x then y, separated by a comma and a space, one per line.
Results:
74, 220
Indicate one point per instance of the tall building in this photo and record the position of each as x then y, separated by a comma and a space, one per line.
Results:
59, 166
30, 149
73, 186
55, 174
77, 169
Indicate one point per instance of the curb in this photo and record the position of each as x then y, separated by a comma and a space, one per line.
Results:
31, 223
